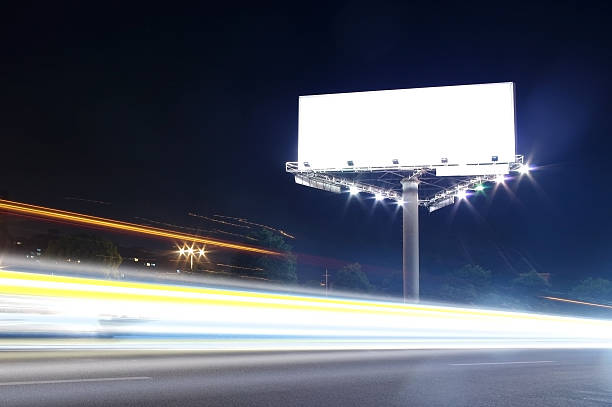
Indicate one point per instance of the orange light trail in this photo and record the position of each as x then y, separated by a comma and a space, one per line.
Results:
578, 302
73, 217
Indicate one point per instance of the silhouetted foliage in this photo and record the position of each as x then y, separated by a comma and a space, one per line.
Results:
474, 274
351, 278
5, 238
278, 269
89, 250
530, 283
593, 289
392, 284
466, 284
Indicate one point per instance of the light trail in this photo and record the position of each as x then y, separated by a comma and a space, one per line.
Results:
195, 215
62, 305
282, 232
578, 302
240, 267
73, 217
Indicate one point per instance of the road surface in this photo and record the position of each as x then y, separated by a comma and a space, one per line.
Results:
333, 378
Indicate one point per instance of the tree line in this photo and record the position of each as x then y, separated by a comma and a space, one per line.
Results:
470, 284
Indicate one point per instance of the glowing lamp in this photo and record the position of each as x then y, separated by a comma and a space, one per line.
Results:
462, 194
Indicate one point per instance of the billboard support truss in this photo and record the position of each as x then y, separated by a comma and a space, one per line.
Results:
384, 182
409, 187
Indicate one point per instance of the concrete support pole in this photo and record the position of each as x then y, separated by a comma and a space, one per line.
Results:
410, 269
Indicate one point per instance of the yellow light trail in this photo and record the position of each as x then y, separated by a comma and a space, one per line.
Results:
13, 282
73, 217
578, 302
161, 309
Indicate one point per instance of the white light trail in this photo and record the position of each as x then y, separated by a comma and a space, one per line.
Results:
210, 317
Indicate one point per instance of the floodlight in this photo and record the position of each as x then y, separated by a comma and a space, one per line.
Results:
190, 250
350, 163
479, 188
395, 161
181, 251
378, 196
500, 178
441, 204
317, 183
201, 252
353, 190
524, 169
461, 194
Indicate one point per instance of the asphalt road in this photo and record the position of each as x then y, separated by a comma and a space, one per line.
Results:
352, 378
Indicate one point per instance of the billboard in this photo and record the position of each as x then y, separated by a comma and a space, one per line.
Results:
448, 125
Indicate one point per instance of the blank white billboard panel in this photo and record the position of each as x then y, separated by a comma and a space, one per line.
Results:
467, 124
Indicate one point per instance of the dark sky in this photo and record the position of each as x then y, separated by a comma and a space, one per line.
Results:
162, 110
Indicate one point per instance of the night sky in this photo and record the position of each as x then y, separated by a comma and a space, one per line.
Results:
164, 110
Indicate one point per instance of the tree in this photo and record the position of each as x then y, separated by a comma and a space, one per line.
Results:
278, 269
87, 249
393, 283
5, 238
467, 284
474, 274
351, 278
593, 289
461, 292
530, 283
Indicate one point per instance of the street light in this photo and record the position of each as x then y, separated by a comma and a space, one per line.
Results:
190, 252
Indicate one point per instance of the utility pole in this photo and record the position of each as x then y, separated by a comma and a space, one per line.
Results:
326, 275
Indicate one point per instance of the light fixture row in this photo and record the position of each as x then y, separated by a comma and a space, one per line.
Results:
460, 192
